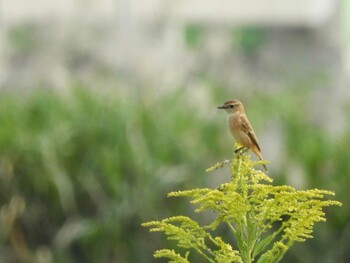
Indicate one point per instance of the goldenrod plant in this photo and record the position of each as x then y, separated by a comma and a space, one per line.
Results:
264, 219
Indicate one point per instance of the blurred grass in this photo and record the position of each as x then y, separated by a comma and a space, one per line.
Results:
79, 172
89, 169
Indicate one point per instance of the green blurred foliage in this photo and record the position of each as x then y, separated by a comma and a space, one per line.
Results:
23, 39
193, 36
80, 172
89, 169
248, 39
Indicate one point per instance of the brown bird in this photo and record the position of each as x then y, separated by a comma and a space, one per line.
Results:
241, 128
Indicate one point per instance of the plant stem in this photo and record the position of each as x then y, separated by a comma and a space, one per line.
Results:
204, 255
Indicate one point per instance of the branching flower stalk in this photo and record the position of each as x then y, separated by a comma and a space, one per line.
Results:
265, 219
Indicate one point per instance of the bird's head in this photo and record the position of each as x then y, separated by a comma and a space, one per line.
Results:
232, 106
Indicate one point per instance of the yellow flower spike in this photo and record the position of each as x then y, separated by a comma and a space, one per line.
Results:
265, 219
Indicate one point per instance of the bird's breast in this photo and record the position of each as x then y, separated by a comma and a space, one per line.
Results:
234, 124
235, 127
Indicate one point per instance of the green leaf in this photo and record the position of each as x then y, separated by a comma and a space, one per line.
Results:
262, 245
240, 241
263, 259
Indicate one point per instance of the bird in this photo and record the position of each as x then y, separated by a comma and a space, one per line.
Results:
240, 127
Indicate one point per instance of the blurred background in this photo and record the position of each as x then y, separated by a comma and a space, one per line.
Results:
106, 106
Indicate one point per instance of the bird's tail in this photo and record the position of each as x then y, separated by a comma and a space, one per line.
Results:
258, 153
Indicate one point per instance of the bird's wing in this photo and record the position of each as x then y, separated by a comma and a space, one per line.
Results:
247, 128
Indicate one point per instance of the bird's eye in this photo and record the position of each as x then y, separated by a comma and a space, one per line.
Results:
232, 106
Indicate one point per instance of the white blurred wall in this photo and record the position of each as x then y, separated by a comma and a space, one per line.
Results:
141, 38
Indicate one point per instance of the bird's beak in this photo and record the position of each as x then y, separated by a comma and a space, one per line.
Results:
222, 107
